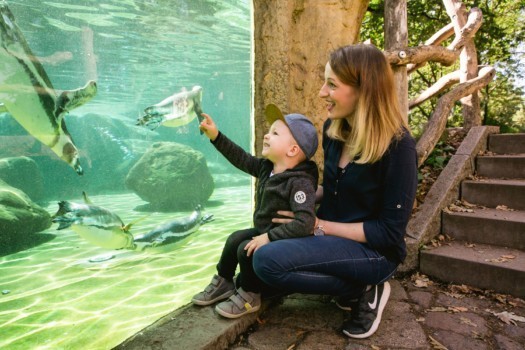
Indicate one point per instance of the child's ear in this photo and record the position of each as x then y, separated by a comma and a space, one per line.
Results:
293, 151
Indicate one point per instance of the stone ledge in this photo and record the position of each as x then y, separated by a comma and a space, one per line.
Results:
426, 222
191, 327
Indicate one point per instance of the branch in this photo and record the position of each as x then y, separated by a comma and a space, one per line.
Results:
474, 21
421, 54
438, 120
440, 85
435, 40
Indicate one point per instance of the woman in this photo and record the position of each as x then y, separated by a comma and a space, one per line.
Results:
366, 198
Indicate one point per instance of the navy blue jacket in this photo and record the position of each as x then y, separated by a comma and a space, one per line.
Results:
293, 190
380, 195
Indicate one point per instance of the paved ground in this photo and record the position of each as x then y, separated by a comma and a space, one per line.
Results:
424, 317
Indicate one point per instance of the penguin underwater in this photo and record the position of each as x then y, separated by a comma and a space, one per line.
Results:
105, 229
172, 231
177, 110
28, 95
95, 224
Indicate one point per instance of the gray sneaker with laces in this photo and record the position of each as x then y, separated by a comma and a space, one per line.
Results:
239, 304
218, 289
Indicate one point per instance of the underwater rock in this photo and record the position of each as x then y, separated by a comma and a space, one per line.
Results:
19, 215
109, 150
23, 173
171, 176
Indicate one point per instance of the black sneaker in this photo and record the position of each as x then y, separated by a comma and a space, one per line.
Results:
367, 315
346, 304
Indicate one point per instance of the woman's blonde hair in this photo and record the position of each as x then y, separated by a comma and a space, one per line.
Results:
377, 119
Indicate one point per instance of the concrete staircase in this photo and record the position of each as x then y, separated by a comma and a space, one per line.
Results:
487, 249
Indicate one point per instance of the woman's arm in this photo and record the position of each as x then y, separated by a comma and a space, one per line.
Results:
319, 194
353, 231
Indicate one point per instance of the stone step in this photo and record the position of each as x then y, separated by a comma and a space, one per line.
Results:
488, 226
506, 143
501, 166
493, 192
482, 266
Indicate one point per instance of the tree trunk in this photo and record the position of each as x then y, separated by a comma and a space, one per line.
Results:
292, 41
468, 64
396, 38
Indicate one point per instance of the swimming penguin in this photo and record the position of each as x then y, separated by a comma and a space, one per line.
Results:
172, 231
28, 95
176, 110
95, 224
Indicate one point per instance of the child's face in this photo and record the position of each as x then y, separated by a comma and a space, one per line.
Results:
277, 142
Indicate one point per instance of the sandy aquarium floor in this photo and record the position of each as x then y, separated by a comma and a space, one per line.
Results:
54, 297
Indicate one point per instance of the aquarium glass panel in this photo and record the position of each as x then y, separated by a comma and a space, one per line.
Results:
114, 207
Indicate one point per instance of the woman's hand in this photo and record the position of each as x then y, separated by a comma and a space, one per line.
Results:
256, 243
289, 217
208, 127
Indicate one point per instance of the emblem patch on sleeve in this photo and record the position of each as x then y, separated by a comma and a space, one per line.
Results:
300, 197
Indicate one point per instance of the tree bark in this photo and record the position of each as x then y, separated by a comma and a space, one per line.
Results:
438, 120
468, 61
396, 37
420, 54
292, 40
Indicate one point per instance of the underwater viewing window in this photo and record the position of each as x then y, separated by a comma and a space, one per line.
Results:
114, 208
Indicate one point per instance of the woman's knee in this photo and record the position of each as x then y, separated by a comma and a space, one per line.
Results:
265, 263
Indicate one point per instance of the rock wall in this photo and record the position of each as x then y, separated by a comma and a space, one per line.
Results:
292, 41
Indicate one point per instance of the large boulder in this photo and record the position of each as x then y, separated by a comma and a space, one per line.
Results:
24, 174
171, 176
19, 215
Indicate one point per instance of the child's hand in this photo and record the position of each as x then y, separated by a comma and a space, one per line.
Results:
208, 127
256, 243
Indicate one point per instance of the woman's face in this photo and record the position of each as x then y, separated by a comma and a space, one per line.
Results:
341, 99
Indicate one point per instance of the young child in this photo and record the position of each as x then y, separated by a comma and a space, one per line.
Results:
287, 180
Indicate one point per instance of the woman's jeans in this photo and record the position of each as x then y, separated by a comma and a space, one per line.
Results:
233, 254
321, 265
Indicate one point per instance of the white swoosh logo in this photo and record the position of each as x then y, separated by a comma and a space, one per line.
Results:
374, 304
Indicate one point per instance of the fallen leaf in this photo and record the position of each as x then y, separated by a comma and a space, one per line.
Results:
504, 207
507, 317
457, 309
461, 288
468, 205
420, 281
501, 259
501, 298
438, 309
467, 321
437, 345
420, 284
454, 295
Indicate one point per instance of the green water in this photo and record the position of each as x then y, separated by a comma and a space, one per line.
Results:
139, 52
58, 299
